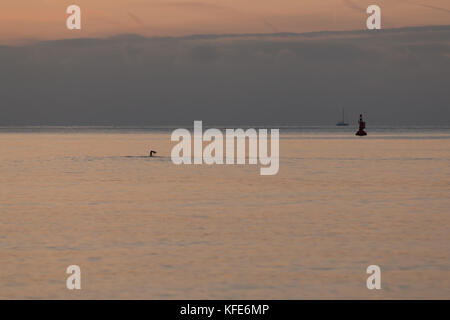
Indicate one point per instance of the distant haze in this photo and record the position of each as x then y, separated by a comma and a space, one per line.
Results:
398, 76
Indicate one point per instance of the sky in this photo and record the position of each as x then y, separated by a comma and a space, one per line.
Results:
25, 20
138, 63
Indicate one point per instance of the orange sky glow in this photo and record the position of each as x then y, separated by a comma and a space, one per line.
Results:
25, 20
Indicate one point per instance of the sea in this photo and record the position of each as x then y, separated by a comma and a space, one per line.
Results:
145, 228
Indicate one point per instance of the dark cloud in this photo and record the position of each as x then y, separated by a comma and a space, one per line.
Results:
394, 76
204, 53
353, 5
271, 26
135, 18
434, 7
426, 5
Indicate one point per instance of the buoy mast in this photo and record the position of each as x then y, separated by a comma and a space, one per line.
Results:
362, 126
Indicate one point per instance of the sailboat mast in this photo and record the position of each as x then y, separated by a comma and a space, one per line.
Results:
342, 122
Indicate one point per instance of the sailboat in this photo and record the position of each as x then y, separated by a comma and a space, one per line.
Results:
342, 123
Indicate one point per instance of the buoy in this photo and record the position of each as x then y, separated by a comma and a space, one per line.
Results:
362, 126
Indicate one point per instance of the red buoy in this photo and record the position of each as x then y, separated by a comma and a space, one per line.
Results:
362, 126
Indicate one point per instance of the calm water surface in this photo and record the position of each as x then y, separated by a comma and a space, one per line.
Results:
146, 229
